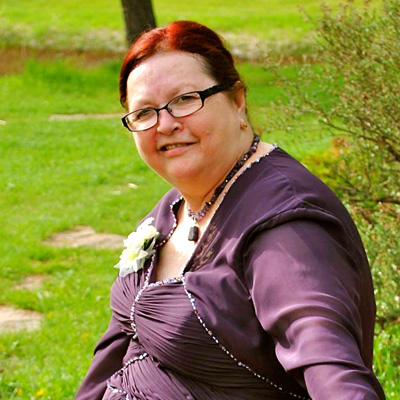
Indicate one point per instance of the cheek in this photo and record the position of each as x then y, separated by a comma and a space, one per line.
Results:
206, 135
142, 147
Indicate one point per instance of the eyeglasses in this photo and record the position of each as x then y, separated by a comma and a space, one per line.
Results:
180, 106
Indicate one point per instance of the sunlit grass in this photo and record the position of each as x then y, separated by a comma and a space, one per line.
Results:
99, 24
55, 175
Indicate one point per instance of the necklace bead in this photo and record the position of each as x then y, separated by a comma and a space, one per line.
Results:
194, 231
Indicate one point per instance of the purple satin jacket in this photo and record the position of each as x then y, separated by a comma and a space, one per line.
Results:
276, 302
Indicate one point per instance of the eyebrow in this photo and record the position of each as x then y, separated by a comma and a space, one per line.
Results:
177, 93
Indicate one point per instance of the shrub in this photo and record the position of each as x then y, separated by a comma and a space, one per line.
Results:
353, 91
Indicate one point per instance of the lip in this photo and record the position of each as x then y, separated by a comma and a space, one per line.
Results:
174, 149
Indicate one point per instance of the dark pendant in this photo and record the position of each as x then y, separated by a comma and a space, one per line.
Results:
193, 233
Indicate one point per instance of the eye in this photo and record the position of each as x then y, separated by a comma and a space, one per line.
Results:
142, 114
185, 99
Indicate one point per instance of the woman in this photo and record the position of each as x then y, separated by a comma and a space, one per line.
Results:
249, 280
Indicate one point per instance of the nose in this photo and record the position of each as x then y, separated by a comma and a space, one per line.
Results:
167, 124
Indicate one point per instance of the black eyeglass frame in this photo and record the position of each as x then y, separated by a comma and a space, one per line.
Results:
204, 94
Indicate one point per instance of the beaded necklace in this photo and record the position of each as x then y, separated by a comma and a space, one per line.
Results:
194, 230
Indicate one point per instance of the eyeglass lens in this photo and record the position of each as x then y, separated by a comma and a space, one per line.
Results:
180, 106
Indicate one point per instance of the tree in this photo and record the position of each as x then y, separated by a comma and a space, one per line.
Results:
139, 16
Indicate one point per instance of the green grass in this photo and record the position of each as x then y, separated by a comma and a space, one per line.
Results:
57, 88
99, 24
55, 175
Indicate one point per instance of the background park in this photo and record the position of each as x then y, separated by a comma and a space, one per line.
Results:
323, 84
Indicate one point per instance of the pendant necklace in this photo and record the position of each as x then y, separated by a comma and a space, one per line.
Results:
194, 230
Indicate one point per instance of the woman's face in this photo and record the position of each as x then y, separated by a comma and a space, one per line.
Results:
198, 147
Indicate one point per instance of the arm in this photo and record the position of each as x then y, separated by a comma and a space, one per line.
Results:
306, 292
109, 353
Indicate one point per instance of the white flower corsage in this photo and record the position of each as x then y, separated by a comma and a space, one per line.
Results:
138, 247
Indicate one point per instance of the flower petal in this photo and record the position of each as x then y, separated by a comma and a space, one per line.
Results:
139, 246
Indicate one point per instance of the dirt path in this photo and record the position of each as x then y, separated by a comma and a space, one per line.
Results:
85, 236
12, 319
12, 60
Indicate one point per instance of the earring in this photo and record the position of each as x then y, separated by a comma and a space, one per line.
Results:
243, 124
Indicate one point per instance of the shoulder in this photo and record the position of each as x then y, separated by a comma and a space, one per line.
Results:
278, 190
278, 185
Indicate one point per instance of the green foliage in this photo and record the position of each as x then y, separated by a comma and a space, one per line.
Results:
362, 52
354, 92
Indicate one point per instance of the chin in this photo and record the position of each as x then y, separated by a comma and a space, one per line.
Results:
181, 174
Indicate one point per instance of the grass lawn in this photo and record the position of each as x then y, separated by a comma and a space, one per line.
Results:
99, 24
56, 174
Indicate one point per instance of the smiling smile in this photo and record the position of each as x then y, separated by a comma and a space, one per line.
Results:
174, 146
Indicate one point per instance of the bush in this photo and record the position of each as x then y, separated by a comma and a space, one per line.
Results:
353, 91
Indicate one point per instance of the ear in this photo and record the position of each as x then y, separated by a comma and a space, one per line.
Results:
239, 97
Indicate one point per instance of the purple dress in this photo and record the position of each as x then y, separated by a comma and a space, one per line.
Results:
276, 302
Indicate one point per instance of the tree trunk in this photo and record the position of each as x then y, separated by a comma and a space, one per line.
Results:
139, 16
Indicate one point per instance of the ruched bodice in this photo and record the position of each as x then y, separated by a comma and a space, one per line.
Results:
172, 354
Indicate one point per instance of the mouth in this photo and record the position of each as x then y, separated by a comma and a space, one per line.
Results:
174, 146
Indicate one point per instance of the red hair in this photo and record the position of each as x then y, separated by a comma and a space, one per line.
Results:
187, 36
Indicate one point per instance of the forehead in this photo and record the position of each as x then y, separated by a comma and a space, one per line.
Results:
165, 75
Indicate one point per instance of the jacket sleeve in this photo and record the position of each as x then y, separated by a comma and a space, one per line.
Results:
306, 292
108, 357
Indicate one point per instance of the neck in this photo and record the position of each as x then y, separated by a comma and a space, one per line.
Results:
200, 187
195, 199
197, 204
